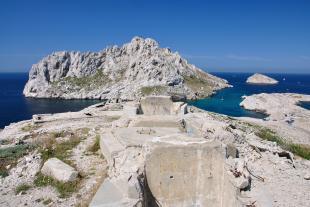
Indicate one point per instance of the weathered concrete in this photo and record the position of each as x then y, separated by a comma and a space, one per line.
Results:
108, 195
162, 105
190, 175
131, 109
110, 147
59, 170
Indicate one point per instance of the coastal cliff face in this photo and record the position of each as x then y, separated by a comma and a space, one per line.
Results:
261, 79
136, 69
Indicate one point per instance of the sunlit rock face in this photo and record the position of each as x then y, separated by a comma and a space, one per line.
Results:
136, 69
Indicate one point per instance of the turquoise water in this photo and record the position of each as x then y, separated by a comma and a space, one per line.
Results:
15, 107
227, 101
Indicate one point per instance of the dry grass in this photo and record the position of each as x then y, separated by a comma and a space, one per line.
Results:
22, 188
64, 189
96, 146
298, 149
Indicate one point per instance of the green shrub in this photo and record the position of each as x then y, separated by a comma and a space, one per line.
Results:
10, 155
60, 150
96, 146
298, 149
47, 201
64, 189
22, 188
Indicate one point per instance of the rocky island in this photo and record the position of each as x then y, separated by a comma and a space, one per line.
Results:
136, 69
261, 79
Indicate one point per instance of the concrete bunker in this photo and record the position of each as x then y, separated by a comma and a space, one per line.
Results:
189, 175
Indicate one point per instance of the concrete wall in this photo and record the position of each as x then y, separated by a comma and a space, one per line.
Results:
162, 105
190, 175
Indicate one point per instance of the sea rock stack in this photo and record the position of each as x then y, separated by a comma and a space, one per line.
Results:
261, 79
138, 68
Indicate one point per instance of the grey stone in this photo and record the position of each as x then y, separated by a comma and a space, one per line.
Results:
59, 170
231, 151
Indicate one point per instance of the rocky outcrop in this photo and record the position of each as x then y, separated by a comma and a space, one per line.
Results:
284, 113
136, 69
261, 79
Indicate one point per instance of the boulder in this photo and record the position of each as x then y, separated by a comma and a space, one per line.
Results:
59, 170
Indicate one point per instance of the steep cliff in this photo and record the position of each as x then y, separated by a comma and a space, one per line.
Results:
136, 69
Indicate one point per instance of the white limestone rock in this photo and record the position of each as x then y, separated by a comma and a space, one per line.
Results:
129, 72
261, 79
59, 170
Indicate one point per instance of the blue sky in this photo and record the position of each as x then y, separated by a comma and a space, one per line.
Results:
233, 35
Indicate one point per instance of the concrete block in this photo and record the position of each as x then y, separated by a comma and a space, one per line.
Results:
190, 175
157, 105
110, 147
59, 170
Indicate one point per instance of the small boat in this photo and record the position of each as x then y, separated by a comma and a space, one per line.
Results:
222, 99
283, 79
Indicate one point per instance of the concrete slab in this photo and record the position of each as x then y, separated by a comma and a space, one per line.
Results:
107, 196
110, 147
138, 136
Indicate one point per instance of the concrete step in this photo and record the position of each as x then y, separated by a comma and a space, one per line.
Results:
110, 147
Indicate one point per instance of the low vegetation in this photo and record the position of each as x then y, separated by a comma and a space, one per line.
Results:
22, 188
60, 150
10, 155
96, 80
198, 84
29, 127
153, 90
58, 134
96, 146
298, 149
47, 201
64, 189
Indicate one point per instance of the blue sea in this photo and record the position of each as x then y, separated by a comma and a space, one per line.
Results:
15, 107
227, 101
